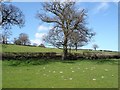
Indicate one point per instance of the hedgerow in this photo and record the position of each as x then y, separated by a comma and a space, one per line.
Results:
54, 55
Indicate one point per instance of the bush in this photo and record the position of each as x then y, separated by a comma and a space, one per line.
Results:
53, 55
28, 55
42, 45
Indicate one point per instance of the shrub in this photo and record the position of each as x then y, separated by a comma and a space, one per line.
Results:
42, 45
53, 55
28, 55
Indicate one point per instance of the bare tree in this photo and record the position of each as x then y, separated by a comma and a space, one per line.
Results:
5, 35
79, 39
5, 0
24, 39
95, 46
17, 41
42, 45
55, 38
66, 20
10, 16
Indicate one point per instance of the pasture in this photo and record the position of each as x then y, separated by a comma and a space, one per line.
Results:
0, 74
56, 73
60, 74
19, 48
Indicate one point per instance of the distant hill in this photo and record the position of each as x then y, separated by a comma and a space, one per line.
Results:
20, 48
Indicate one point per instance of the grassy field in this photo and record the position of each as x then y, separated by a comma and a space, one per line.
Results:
56, 73
19, 48
0, 74
60, 74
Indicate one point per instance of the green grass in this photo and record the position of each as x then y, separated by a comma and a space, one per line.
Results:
0, 74
60, 74
0, 48
56, 73
19, 48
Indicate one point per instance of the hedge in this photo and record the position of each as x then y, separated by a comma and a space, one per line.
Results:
28, 55
53, 55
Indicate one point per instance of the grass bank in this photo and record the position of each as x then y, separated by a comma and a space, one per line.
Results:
57, 74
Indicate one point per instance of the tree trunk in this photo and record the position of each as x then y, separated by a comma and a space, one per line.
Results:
76, 47
65, 50
3, 40
70, 50
6, 42
24, 43
95, 49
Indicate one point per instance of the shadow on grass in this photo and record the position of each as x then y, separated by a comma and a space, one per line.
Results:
69, 62
107, 61
4, 46
44, 62
27, 62
36, 62
102, 61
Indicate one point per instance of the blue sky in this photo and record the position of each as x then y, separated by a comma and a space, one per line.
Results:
102, 19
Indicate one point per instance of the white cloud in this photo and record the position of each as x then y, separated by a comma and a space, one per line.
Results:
39, 35
43, 28
103, 6
37, 41
38, 38
41, 31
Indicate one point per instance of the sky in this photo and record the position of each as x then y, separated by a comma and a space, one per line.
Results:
102, 19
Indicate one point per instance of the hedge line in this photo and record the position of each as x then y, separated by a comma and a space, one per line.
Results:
29, 55
53, 55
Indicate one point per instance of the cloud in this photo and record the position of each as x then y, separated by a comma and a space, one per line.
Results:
103, 6
41, 31
39, 35
38, 38
43, 28
36, 41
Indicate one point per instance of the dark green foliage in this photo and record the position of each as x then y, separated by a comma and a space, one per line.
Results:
17, 42
28, 55
53, 55
42, 45
14, 63
27, 62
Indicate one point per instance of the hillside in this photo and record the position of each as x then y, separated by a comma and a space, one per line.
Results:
19, 48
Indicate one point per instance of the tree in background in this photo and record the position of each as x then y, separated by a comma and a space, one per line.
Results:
5, 35
23, 39
78, 39
42, 45
17, 41
10, 16
66, 19
95, 46
35, 44
0, 38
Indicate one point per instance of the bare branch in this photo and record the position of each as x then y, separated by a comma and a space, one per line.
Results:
69, 25
11, 15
